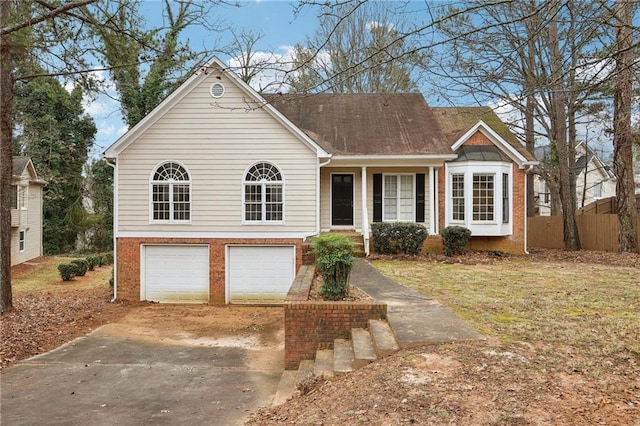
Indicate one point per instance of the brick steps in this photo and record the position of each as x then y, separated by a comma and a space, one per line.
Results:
347, 355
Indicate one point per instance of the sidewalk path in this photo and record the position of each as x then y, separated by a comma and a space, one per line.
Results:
415, 318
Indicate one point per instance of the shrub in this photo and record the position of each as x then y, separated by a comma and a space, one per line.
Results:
334, 259
455, 239
92, 262
107, 258
394, 238
81, 266
67, 271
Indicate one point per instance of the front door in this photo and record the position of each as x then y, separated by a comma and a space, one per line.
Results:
342, 200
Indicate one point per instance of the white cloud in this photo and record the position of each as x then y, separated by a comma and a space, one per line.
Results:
270, 68
375, 24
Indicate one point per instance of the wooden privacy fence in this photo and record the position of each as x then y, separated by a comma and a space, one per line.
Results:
596, 231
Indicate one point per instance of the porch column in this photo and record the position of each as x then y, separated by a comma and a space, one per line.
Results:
365, 212
437, 197
432, 202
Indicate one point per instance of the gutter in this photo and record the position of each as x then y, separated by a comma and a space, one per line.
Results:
527, 173
115, 229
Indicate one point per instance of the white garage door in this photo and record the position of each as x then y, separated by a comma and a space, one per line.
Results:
176, 273
260, 274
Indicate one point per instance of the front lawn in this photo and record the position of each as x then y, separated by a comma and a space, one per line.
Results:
592, 308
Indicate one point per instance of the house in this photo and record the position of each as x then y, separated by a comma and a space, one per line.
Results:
218, 188
594, 179
26, 212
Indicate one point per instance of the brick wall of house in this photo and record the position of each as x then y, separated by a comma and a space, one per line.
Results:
515, 243
129, 257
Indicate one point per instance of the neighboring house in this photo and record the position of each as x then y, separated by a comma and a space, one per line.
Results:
594, 180
218, 189
26, 212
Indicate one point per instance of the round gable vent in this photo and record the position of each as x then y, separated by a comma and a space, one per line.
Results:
216, 90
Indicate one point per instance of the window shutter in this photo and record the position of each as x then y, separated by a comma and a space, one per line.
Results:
377, 197
420, 197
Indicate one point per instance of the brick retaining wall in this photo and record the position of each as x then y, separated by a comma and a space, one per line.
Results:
312, 325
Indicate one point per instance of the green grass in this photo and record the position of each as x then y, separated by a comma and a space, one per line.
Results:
44, 275
590, 307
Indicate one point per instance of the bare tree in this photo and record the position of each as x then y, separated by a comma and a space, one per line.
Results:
358, 49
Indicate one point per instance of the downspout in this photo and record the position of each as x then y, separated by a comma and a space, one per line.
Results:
526, 178
437, 201
115, 230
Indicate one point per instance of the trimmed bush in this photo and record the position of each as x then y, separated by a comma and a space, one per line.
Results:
334, 259
81, 266
67, 271
396, 238
455, 239
92, 262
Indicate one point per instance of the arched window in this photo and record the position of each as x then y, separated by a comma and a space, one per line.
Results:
170, 193
263, 194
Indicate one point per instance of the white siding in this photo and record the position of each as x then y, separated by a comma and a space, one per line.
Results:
217, 140
31, 222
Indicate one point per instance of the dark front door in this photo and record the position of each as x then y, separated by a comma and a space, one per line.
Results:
342, 200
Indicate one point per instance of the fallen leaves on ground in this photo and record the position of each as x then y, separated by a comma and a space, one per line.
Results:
484, 383
43, 320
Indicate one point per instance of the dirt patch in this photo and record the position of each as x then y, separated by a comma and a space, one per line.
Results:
466, 384
202, 325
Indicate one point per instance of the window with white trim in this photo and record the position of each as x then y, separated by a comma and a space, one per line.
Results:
398, 200
479, 197
457, 196
263, 189
506, 204
170, 194
22, 241
483, 197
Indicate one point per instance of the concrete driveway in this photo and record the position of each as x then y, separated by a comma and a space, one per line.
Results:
151, 372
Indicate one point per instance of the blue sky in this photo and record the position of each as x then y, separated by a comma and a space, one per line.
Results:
275, 19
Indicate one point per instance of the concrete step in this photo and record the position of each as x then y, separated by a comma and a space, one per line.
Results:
384, 341
343, 361
286, 387
323, 366
363, 352
305, 371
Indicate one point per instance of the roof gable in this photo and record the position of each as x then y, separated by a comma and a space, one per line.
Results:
212, 67
366, 124
20, 164
458, 124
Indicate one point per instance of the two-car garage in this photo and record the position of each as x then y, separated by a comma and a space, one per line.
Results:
180, 273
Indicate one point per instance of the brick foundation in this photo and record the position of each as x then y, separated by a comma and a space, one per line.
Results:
129, 257
313, 325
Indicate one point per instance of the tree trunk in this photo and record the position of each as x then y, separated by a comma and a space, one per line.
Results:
6, 160
558, 116
622, 133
